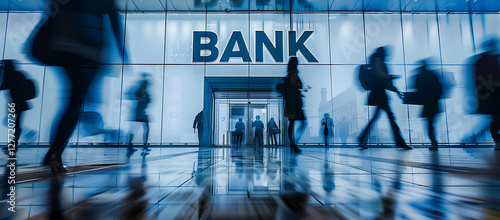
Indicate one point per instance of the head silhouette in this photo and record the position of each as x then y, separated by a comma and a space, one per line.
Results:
240, 120
257, 117
292, 64
8, 65
326, 115
490, 44
380, 52
272, 119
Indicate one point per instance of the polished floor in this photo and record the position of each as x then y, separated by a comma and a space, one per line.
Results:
262, 183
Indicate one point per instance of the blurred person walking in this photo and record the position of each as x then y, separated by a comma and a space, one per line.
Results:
21, 89
487, 76
429, 92
143, 99
290, 90
72, 38
380, 81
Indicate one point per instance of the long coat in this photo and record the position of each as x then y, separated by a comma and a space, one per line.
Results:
487, 70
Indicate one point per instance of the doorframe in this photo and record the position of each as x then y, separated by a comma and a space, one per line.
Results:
213, 84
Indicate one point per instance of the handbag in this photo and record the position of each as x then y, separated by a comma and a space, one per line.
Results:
412, 98
276, 130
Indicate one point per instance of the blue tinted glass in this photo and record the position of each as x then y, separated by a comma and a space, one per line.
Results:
182, 100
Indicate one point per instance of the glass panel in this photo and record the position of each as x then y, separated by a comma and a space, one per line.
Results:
268, 70
145, 38
421, 39
19, 28
183, 99
316, 43
270, 24
180, 27
347, 39
455, 37
384, 30
224, 25
226, 70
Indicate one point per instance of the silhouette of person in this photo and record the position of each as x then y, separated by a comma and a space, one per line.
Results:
258, 138
273, 130
240, 130
79, 55
290, 90
429, 91
487, 75
15, 82
198, 124
327, 127
382, 81
143, 100
343, 129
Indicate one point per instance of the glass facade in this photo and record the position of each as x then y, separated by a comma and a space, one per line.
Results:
161, 45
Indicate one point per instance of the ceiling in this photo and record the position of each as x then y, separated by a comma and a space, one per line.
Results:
278, 5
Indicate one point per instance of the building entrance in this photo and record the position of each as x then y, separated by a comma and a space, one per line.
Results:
228, 111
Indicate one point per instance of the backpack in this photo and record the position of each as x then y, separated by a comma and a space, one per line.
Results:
29, 89
364, 75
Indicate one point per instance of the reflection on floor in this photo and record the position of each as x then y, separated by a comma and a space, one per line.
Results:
264, 183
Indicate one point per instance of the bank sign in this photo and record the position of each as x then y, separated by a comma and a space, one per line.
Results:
206, 42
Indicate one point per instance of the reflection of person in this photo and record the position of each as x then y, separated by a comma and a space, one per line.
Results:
273, 130
198, 124
79, 56
429, 91
15, 82
240, 130
343, 129
487, 72
143, 100
290, 89
378, 97
327, 127
259, 131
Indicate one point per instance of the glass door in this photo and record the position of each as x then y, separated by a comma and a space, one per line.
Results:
228, 112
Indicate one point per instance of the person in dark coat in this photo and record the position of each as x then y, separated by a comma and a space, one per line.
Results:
273, 130
14, 81
327, 127
382, 81
259, 131
143, 100
239, 131
79, 52
429, 91
487, 75
198, 124
290, 89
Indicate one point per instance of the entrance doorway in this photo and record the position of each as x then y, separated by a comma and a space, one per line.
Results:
230, 107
